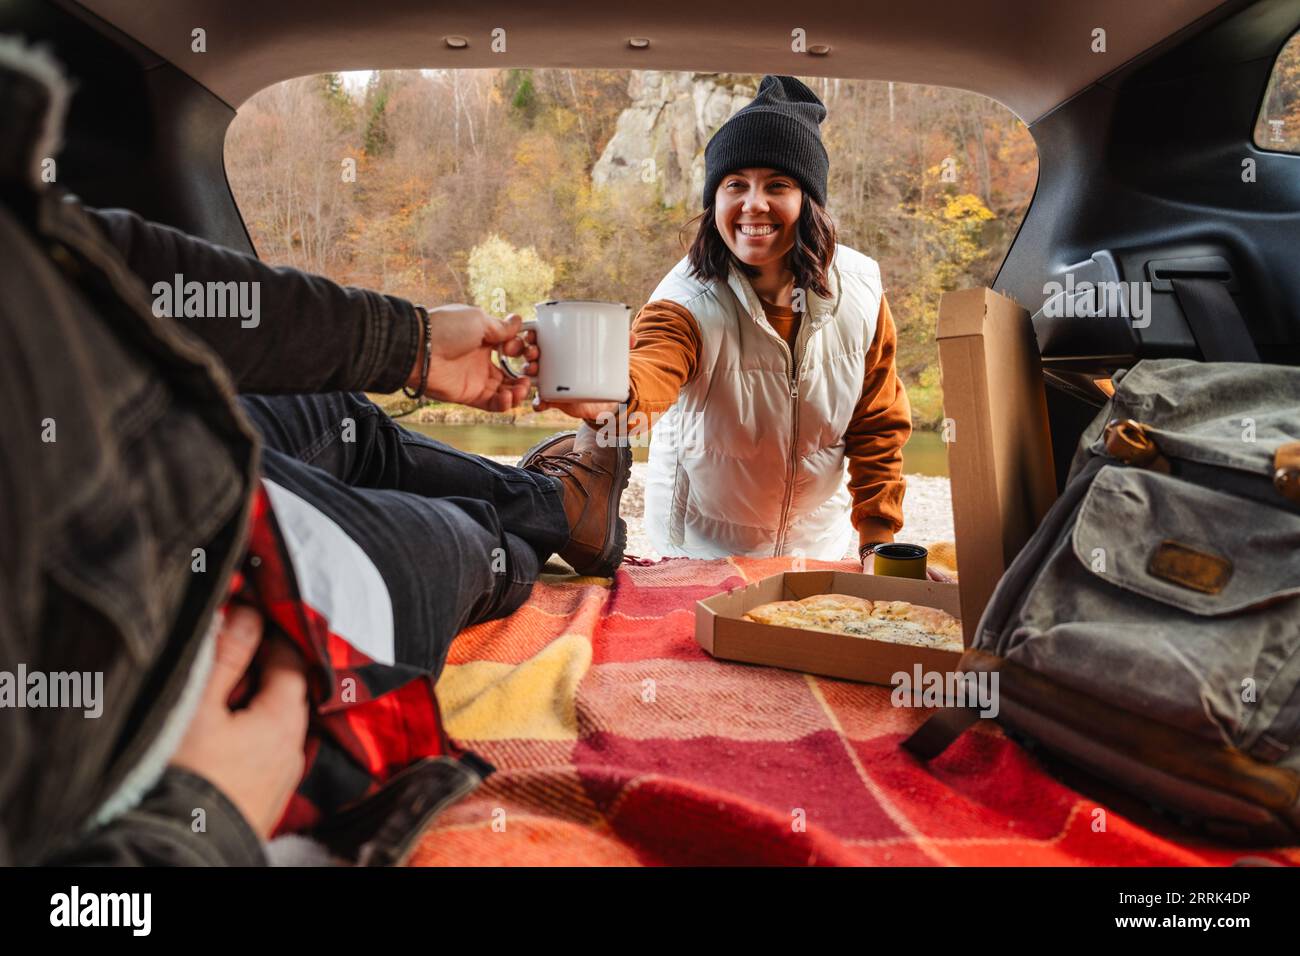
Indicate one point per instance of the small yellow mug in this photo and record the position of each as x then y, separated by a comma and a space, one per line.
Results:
899, 560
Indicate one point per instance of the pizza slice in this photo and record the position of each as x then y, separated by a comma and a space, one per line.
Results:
899, 622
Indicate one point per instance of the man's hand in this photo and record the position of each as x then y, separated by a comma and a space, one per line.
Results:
255, 755
460, 363
588, 411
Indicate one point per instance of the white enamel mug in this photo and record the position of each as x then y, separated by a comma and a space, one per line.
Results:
584, 350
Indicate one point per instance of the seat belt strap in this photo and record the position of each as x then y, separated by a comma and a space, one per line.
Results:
1215, 321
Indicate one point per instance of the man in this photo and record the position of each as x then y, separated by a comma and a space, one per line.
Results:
157, 530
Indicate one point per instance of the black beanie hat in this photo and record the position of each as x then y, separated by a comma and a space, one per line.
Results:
779, 129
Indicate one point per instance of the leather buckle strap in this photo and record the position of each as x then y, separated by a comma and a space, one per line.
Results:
1128, 441
1286, 471
939, 730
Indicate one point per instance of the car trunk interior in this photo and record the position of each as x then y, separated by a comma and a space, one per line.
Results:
1141, 148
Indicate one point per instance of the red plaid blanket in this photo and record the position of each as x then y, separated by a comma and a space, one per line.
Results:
619, 741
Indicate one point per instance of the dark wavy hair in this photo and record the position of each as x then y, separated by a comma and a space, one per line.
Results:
810, 257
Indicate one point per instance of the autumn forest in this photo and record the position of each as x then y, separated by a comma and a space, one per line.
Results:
441, 186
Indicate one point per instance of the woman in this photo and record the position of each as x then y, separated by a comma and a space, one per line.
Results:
765, 360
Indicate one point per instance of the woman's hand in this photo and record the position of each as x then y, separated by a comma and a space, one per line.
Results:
588, 411
255, 756
460, 362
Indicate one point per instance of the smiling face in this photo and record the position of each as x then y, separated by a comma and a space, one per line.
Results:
756, 212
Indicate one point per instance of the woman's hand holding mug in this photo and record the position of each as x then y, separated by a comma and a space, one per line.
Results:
931, 574
904, 560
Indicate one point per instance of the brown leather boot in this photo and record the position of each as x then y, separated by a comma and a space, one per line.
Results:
594, 479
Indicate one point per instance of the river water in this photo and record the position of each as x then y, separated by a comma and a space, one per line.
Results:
924, 453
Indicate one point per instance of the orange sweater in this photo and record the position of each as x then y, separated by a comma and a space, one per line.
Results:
665, 357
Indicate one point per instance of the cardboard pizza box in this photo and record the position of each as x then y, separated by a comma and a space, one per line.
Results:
721, 630
1000, 463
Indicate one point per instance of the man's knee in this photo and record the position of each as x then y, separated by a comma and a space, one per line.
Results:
499, 565
519, 574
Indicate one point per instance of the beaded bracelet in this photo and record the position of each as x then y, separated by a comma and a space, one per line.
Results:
867, 549
428, 355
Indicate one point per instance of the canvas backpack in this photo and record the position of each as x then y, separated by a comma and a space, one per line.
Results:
1150, 629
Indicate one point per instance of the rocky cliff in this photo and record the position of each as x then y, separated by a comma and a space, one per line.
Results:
660, 137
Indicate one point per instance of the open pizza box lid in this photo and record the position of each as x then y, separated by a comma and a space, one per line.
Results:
995, 427
721, 630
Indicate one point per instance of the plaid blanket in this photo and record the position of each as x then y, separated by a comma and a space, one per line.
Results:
618, 741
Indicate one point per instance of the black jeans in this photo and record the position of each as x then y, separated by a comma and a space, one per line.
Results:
458, 539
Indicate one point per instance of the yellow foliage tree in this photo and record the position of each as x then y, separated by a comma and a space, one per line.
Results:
951, 240
505, 279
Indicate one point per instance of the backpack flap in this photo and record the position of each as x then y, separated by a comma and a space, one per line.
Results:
1224, 414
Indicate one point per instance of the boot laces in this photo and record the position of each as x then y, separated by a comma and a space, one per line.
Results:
561, 466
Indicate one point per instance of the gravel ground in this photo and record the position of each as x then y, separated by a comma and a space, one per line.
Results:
927, 511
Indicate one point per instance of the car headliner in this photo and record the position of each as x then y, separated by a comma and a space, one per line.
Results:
1029, 55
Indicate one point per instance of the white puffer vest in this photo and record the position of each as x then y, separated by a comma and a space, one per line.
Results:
750, 458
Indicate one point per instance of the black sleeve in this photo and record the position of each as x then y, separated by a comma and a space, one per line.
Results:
164, 830
305, 334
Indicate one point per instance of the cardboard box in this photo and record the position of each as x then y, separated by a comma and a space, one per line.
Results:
999, 445
720, 629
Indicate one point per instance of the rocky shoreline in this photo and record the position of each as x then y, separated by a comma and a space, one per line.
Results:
446, 413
